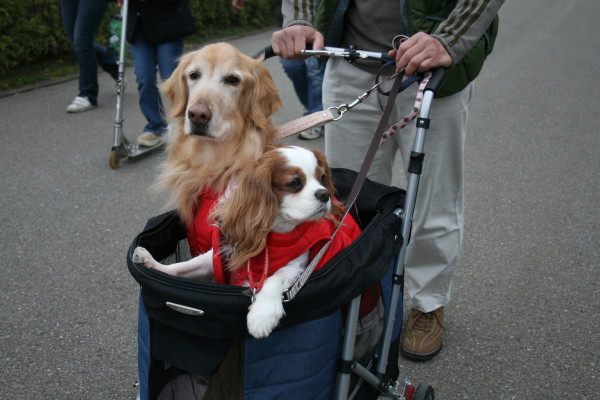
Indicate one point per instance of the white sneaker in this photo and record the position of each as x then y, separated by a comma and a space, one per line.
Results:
80, 104
312, 133
148, 139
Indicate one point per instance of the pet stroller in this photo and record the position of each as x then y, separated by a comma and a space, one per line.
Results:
122, 147
192, 335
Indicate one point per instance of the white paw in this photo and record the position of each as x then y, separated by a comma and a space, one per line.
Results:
263, 317
142, 256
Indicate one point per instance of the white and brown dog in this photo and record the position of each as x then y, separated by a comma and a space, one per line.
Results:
272, 221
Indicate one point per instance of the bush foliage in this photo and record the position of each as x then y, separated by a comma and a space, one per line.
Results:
32, 30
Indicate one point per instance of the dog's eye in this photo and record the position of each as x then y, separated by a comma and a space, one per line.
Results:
323, 179
194, 75
295, 183
231, 80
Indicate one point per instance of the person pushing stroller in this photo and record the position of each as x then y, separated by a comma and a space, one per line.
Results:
452, 34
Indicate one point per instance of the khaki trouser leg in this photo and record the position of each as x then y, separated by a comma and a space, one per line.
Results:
439, 213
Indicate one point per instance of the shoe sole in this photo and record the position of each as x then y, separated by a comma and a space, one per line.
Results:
80, 110
144, 143
149, 143
309, 138
419, 356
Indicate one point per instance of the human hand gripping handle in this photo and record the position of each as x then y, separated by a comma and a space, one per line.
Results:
419, 53
289, 42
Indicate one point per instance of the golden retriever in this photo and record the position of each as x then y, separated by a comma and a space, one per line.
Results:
219, 121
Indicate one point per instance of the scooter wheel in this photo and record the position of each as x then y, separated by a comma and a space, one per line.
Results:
114, 159
424, 392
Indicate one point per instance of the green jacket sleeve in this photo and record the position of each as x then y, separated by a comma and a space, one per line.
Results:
298, 12
465, 25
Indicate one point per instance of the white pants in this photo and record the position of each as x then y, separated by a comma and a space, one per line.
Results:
439, 212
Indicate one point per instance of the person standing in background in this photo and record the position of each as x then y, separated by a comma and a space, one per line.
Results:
81, 19
155, 32
453, 34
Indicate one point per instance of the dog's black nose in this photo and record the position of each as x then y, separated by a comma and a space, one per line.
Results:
322, 195
199, 114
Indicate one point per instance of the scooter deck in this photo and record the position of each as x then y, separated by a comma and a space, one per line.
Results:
134, 151
130, 151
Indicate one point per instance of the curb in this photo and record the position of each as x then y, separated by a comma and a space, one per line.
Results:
37, 85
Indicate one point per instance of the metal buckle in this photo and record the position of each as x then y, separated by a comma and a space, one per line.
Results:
397, 41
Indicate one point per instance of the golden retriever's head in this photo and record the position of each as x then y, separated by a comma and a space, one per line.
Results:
217, 92
220, 120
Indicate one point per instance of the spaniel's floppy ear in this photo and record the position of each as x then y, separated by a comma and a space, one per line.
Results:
247, 214
336, 207
176, 89
263, 98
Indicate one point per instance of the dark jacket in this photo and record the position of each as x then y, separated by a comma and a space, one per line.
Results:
160, 21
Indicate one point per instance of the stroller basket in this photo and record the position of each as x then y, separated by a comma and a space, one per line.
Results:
193, 324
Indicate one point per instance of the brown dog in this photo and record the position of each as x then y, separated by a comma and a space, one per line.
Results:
220, 120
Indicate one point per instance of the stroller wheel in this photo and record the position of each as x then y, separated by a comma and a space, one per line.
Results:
424, 392
114, 159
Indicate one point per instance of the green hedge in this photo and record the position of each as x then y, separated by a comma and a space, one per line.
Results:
32, 30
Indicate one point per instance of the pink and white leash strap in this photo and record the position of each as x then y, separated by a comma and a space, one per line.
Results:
414, 112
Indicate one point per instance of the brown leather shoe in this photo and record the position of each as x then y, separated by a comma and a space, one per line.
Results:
424, 334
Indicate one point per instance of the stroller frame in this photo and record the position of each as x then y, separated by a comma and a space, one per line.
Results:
392, 389
122, 147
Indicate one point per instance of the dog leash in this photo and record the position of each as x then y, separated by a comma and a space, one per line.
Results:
323, 117
380, 136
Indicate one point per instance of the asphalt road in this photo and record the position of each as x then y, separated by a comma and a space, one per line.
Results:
523, 322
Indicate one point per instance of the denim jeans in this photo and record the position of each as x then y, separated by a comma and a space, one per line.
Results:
81, 19
107, 60
307, 78
147, 58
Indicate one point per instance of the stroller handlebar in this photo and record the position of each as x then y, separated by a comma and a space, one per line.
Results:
267, 51
434, 84
437, 79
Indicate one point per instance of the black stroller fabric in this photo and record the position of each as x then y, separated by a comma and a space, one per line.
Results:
177, 338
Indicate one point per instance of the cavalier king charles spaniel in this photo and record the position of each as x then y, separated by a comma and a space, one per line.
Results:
272, 221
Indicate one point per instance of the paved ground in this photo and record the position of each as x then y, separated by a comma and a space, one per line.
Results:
523, 323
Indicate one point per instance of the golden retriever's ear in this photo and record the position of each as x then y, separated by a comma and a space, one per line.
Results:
175, 88
247, 214
264, 97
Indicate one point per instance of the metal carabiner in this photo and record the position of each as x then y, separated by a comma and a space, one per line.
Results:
340, 110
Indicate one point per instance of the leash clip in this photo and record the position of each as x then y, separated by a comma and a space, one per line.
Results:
343, 108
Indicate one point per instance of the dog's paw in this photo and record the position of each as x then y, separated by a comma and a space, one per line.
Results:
141, 256
263, 317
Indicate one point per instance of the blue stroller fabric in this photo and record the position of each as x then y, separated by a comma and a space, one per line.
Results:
301, 360
298, 362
